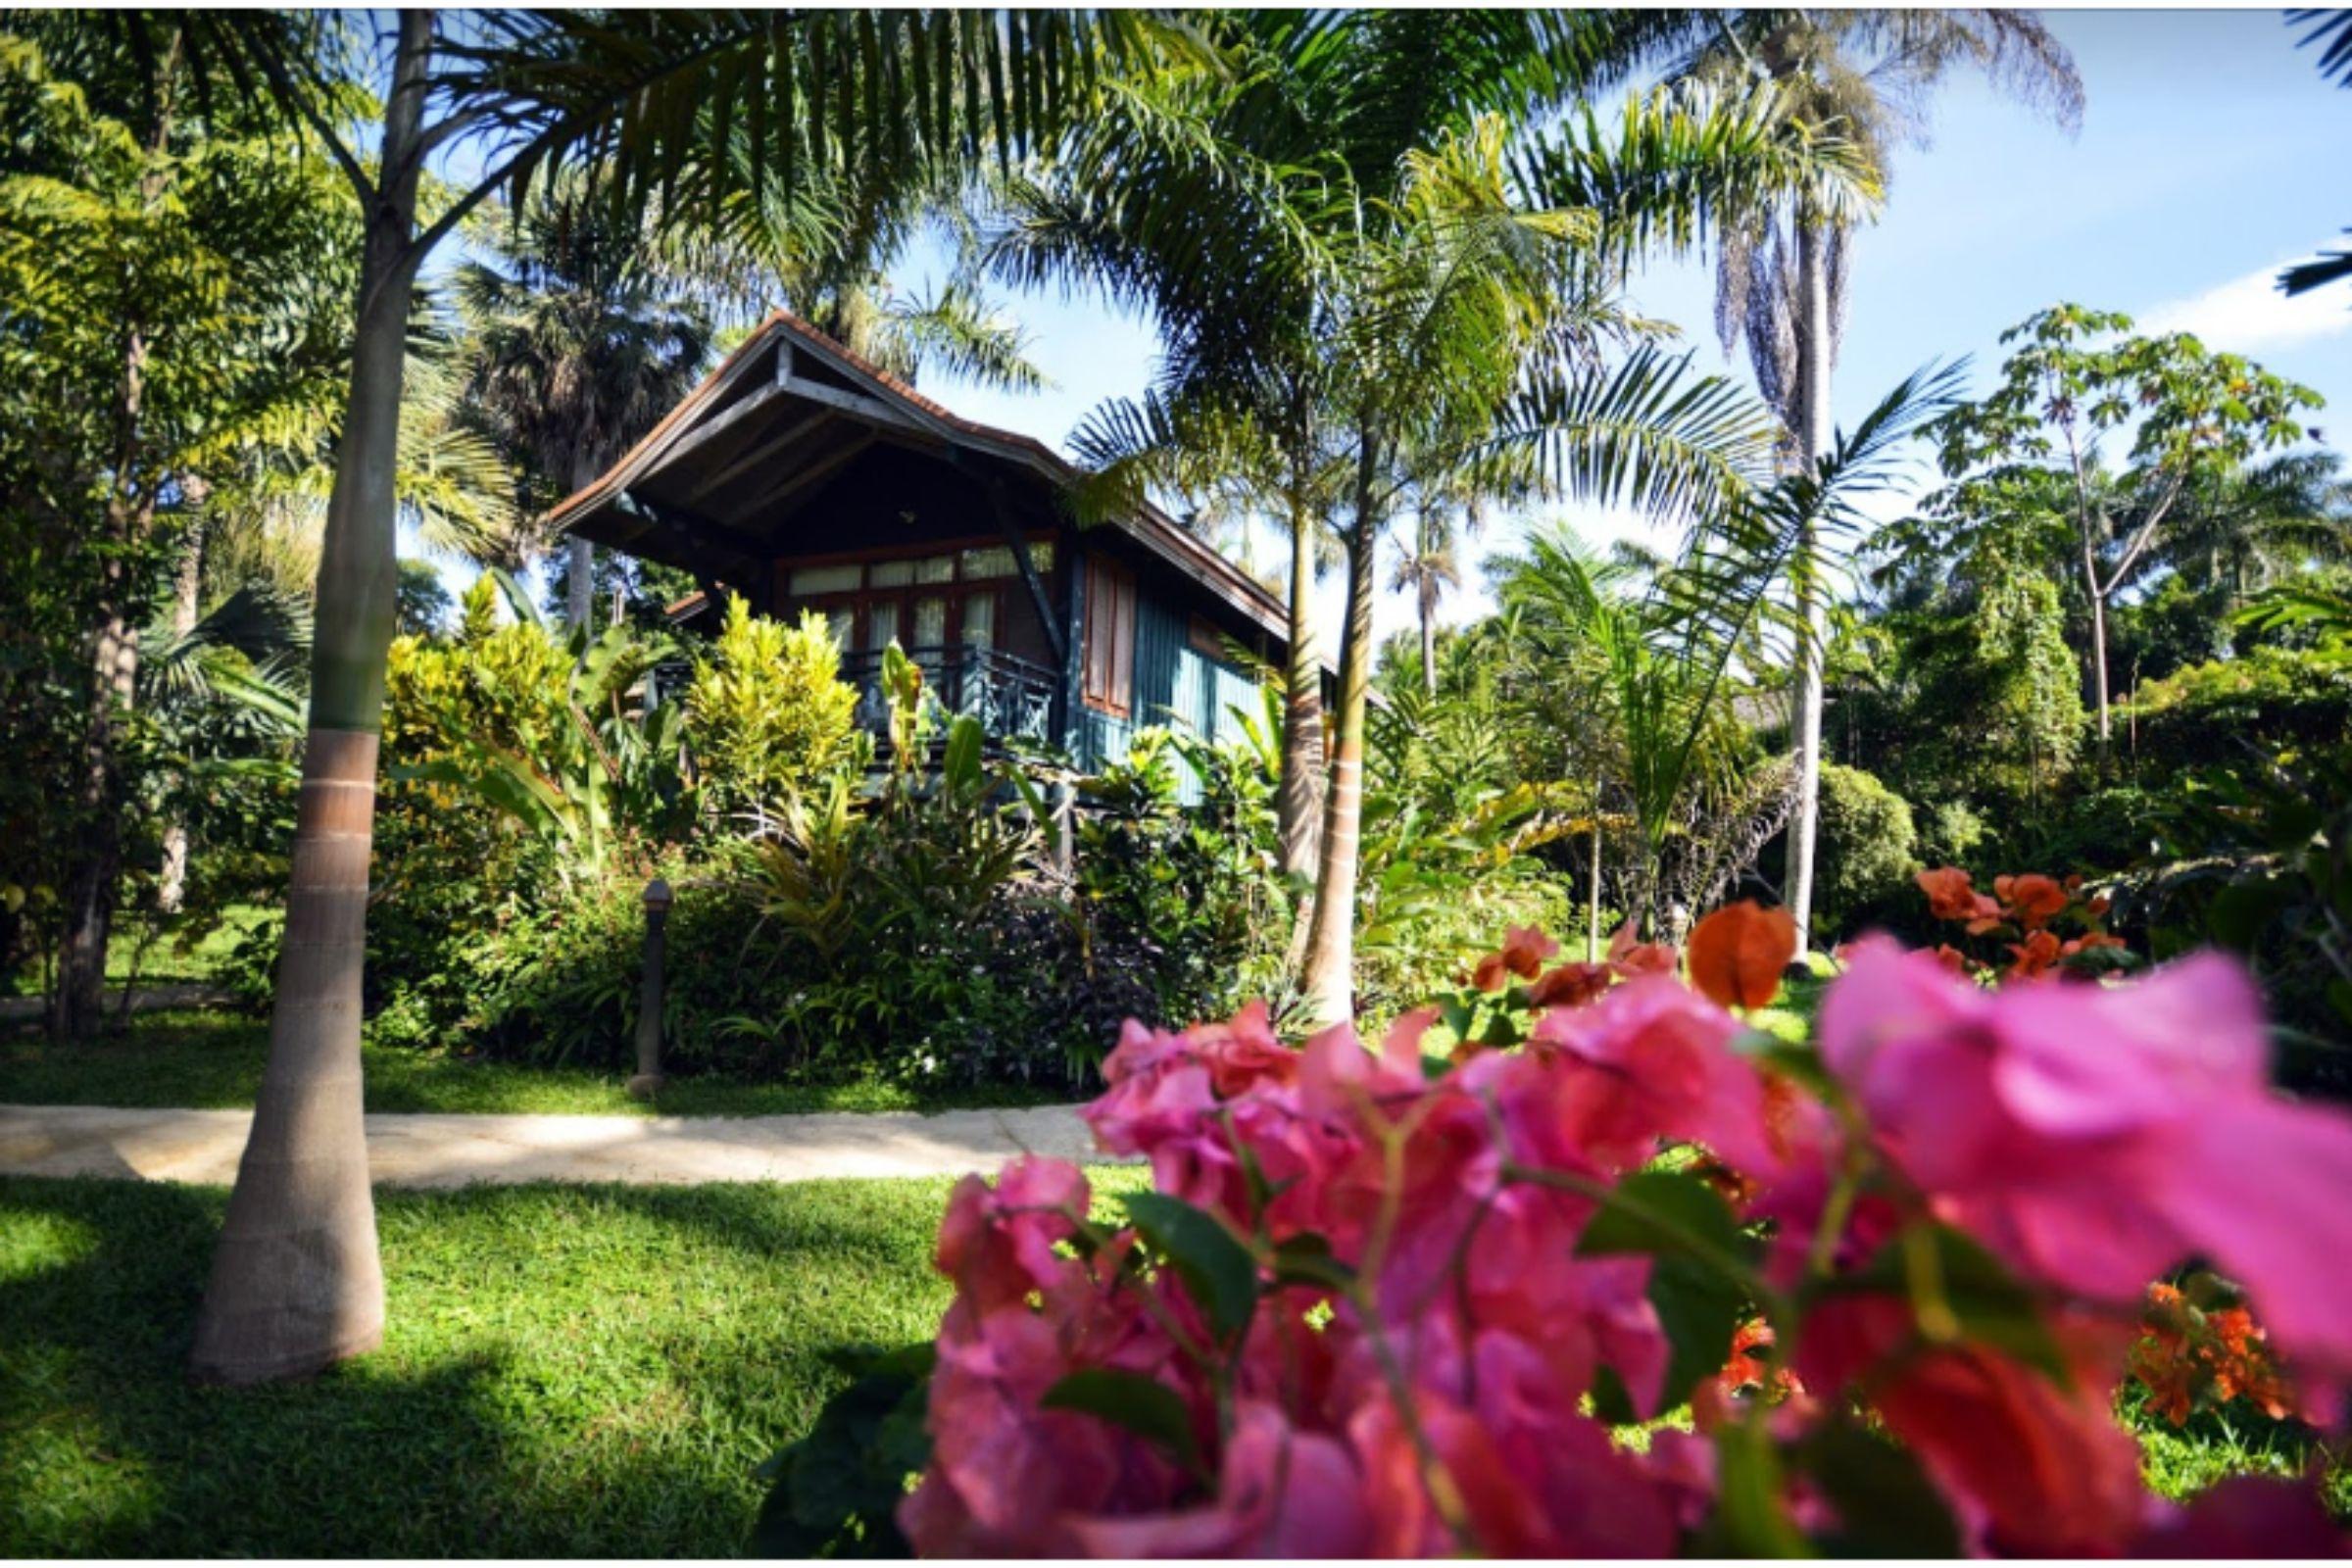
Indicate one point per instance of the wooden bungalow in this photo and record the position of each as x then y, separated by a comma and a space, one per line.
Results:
800, 476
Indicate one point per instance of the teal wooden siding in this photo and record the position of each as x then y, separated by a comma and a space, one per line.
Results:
1177, 686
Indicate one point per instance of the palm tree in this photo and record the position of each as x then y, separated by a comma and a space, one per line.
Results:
578, 345
695, 110
2332, 31
1659, 662
1781, 280
2256, 524
1257, 217
1427, 568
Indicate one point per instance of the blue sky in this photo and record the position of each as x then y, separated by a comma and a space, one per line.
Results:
2210, 154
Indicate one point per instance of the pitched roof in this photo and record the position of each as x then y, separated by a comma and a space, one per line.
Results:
883, 397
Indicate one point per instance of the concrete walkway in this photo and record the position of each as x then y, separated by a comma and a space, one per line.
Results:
446, 1151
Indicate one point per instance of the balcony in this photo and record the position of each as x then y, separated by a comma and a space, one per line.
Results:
1009, 697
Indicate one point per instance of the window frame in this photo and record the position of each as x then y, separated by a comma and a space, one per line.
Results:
1112, 611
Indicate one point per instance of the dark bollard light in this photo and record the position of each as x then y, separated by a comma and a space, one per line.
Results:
647, 1081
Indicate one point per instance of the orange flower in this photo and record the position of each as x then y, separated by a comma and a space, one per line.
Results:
1738, 953
1952, 959
1951, 897
2035, 955
2033, 900
1630, 956
1571, 985
1524, 949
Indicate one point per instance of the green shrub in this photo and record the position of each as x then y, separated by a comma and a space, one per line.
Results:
1866, 849
2272, 699
767, 713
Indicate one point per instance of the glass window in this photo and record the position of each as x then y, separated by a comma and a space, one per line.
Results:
889, 574
825, 580
980, 620
1040, 554
1109, 636
994, 561
839, 622
930, 621
881, 622
935, 568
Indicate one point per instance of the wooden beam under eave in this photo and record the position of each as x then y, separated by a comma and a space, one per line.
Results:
757, 453
815, 473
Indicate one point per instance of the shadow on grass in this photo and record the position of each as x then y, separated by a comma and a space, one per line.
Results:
567, 1370
206, 1061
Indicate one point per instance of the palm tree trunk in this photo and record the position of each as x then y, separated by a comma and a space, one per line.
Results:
1593, 915
1299, 803
1330, 978
579, 583
297, 1284
1429, 638
187, 580
1813, 437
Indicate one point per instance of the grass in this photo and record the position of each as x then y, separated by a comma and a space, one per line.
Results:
205, 1060
567, 1371
164, 963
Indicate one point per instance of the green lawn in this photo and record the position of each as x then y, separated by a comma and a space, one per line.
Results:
568, 1371
206, 1061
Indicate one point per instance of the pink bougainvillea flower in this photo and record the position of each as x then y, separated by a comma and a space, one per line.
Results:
1649, 1061
2246, 1517
2040, 1468
998, 1242
1281, 1492
1242, 1053
2096, 1136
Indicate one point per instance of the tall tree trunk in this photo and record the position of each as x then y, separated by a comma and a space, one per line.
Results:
580, 582
1429, 641
1299, 803
296, 1283
1330, 978
77, 1007
1593, 916
2098, 642
187, 580
1813, 439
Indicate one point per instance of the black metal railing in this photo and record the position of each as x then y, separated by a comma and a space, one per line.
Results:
1012, 698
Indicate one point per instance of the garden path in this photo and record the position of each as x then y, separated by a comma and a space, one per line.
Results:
457, 1151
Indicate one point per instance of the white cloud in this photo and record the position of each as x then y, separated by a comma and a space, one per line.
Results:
2249, 313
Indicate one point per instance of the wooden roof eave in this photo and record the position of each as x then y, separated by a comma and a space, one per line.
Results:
879, 401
